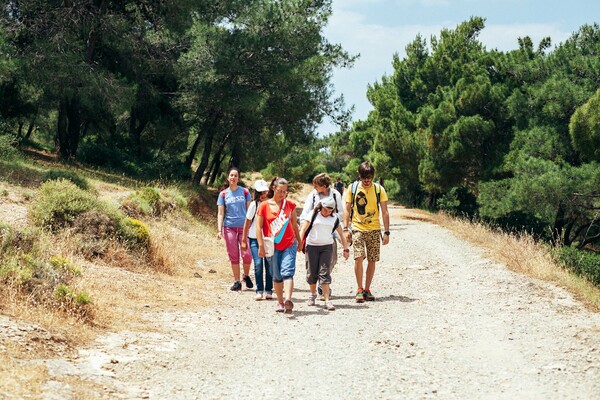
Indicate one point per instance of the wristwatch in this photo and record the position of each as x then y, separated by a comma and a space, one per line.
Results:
386, 233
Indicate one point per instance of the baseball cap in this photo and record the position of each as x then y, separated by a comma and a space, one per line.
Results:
261, 186
328, 202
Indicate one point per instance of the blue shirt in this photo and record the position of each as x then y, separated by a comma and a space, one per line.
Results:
235, 206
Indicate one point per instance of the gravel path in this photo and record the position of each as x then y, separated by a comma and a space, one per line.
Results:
447, 324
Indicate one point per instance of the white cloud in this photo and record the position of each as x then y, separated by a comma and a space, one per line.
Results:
377, 43
505, 37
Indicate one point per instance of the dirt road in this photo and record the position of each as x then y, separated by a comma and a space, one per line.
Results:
447, 324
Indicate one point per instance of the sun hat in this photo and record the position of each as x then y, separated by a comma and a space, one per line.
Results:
328, 202
261, 186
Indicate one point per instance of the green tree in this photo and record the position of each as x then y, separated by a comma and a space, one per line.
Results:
585, 129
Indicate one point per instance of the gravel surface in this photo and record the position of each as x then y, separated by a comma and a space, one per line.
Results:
447, 324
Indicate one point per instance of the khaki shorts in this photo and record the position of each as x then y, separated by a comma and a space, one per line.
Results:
366, 244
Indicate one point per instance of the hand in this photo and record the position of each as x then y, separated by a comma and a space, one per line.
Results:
348, 235
244, 244
386, 239
219, 235
261, 251
346, 254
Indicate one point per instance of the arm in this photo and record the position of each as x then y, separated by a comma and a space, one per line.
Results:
247, 224
304, 227
347, 221
385, 215
340, 232
308, 207
259, 236
294, 222
220, 218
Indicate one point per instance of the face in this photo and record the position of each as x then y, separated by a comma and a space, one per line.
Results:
233, 177
321, 189
326, 211
366, 182
263, 195
280, 192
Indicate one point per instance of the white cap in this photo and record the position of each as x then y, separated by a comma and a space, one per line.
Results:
328, 202
261, 186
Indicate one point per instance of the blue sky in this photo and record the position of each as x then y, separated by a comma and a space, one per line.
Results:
376, 29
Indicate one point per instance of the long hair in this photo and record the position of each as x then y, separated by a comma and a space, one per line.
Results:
226, 183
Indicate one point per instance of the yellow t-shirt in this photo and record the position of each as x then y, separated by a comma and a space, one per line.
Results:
365, 216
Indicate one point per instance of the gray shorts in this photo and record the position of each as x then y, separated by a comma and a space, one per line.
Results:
319, 264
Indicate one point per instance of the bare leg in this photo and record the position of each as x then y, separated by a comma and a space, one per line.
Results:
278, 286
325, 287
235, 268
370, 273
313, 288
288, 285
358, 271
246, 269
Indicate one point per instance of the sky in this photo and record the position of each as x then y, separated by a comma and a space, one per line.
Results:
376, 29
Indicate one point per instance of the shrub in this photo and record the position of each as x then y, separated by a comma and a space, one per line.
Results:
55, 174
61, 263
8, 148
59, 203
134, 232
581, 262
95, 224
151, 201
66, 294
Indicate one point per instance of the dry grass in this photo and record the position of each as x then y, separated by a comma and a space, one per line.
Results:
20, 380
519, 252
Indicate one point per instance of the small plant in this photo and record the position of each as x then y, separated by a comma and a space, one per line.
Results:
134, 232
59, 203
55, 174
63, 264
66, 294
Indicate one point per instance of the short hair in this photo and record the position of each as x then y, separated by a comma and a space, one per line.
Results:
322, 180
366, 170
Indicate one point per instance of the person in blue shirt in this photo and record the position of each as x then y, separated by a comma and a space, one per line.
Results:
232, 205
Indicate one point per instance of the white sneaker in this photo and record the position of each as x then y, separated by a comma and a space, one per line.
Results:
258, 297
311, 300
268, 296
329, 305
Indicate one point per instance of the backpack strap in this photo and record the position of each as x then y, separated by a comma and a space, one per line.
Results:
255, 211
312, 220
336, 224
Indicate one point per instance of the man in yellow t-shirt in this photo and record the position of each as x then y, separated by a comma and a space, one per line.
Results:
363, 210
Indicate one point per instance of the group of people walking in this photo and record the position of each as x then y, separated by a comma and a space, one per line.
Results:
265, 229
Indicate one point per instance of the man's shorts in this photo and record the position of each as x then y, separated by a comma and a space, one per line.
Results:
366, 244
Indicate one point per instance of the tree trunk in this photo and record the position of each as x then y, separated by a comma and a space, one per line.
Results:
217, 170
136, 127
30, 128
216, 162
61, 130
205, 156
74, 125
209, 124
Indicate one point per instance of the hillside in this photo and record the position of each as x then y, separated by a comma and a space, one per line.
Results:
149, 308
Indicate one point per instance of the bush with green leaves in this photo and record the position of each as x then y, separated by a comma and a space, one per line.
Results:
151, 201
59, 202
134, 232
8, 148
55, 174
581, 262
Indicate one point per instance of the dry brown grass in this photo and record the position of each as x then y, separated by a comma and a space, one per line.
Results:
519, 252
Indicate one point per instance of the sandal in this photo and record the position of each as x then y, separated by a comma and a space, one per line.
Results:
289, 306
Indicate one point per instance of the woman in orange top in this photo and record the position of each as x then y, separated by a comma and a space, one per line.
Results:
276, 218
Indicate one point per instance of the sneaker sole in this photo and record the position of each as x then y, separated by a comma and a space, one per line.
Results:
360, 300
